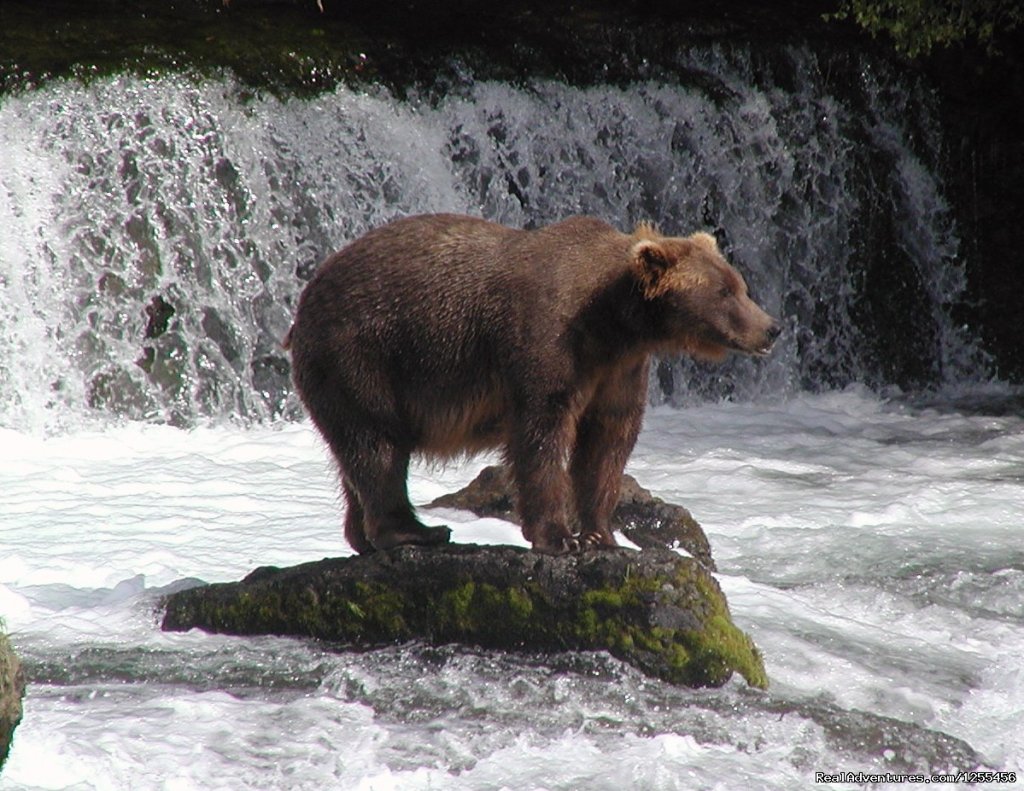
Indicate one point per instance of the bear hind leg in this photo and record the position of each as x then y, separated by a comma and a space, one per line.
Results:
355, 528
374, 473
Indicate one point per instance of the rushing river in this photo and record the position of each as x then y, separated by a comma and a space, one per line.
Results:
862, 489
870, 548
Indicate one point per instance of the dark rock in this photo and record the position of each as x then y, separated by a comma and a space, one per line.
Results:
659, 611
646, 520
489, 494
12, 690
846, 731
159, 313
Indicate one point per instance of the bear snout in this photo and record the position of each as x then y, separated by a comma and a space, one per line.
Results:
770, 336
757, 341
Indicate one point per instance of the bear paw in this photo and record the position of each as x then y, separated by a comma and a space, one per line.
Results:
557, 546
421, 535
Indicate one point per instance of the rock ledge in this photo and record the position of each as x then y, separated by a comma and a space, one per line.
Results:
644, 519
659, 611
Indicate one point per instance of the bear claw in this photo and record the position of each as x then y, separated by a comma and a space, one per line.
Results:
592, 539
560, 546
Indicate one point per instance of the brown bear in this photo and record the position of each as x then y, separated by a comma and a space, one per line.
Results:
447, 335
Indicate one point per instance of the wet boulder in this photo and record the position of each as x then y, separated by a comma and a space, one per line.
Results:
646, 520
655, 609
12, 690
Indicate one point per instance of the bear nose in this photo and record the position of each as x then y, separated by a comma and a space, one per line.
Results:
774, 332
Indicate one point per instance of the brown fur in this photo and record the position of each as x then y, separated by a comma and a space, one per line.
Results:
446, 335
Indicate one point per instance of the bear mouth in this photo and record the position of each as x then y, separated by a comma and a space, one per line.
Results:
730, 343
754, 351
767, 343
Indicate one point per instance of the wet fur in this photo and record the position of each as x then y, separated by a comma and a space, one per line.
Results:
444, 335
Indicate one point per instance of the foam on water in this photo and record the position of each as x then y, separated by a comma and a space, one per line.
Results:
869, 547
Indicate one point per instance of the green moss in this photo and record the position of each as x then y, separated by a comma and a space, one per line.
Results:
520, 604
612, 599
454, 608
612, 618
721, 640
486, 612
11, 691
368, 611
375, 608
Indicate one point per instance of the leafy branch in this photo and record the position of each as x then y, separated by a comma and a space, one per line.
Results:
919, 26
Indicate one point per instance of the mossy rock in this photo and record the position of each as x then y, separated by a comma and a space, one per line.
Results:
659, 611
12, 690
646, 520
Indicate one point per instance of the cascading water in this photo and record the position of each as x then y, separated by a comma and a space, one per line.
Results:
156, 232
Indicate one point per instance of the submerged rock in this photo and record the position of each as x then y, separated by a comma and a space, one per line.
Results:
12, 690
659, 611
646, 520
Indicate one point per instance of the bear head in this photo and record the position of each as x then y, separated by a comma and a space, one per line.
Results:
699, 302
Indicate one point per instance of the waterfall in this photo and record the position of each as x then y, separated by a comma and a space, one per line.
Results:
155, 232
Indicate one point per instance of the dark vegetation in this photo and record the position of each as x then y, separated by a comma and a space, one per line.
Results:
918, 27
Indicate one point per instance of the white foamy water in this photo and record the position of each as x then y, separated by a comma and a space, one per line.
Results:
872, 549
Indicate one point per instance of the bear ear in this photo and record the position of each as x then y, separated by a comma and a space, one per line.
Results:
705, 240
650, 262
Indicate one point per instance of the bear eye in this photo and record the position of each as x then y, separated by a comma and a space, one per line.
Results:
725, 292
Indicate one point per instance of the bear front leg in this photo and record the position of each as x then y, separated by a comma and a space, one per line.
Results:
537, 455
605, 436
